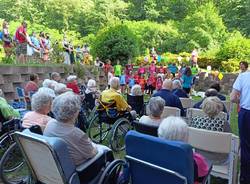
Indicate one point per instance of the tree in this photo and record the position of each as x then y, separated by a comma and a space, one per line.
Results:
116, 43
203, 29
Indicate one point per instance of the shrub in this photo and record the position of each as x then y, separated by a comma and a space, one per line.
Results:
232, 65
116, 42
236, 47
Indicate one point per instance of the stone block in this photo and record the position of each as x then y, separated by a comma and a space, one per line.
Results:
7, 87
25, 77
1, 79
10, 96
12, 78
6, 70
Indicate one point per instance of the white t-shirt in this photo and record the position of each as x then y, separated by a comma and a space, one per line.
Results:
110, 76
242, 84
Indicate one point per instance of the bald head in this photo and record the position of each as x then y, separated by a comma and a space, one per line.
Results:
167, 84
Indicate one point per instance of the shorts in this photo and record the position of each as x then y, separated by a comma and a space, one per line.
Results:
21, 49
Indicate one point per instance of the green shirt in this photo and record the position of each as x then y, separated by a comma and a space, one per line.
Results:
6, 110
118, 70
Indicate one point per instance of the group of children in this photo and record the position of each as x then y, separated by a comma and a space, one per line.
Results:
149, 77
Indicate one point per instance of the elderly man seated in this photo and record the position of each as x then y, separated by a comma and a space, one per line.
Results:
155, 108
177, 89
65, 108
113, 96
170, 99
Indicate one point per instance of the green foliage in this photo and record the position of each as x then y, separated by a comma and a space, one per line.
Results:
79, 70
161, 36
232, 65
116, 43
236, 47
203, 29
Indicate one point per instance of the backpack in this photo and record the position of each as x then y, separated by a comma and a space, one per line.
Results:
1, 35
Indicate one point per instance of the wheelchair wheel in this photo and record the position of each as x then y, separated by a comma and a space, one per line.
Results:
111, 174
13, 169
98, 131
5, 141
118, 132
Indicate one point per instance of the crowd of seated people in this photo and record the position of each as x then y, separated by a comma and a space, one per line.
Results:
64, 102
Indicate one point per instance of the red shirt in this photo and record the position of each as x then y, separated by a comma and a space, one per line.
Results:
30, 87
142, 83
161, 70
20, 38
107, 68
152, 81
73, 85
158, 83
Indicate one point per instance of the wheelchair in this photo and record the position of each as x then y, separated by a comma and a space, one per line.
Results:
50, 163
108, 123
13, 168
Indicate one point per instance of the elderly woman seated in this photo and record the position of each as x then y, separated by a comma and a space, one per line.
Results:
176, 129
211, 106
136, 100
65, 108
177, 89
61, 88
155, 108
91, 94
41, 105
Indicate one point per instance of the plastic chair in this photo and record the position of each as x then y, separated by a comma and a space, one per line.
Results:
186, 102
20, 93
145, 129
170, 111
50, 163
218, 142
154, 160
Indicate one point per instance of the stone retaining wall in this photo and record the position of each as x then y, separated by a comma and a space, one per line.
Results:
203, 83
17, 76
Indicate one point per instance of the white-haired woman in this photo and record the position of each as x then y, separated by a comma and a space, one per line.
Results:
211, 106
61, 88
155, 109
49, 83
91, 94
41, 105
135, 99
175, 129
66, 108
72, 84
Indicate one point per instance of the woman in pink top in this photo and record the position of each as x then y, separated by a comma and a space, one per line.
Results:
41, 105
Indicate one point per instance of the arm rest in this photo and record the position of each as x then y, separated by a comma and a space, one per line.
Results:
90, 168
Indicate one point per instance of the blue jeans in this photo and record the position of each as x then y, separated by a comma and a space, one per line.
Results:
244, 132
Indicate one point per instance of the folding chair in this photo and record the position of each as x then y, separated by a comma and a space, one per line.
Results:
154, 160
145, 129
170, 111
218, 142
186, 102
192, 112
50, 163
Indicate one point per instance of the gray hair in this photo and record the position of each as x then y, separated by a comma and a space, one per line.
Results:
173, 128
212, 106
65, 107
155, 106
136, 90
54, 75
40, 100
47, 90
115, 83
176, 84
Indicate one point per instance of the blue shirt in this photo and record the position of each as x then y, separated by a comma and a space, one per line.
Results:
242, 84
35, 41
131, 82
170, 99
122, 79
173, 68
180, 93
187, 81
